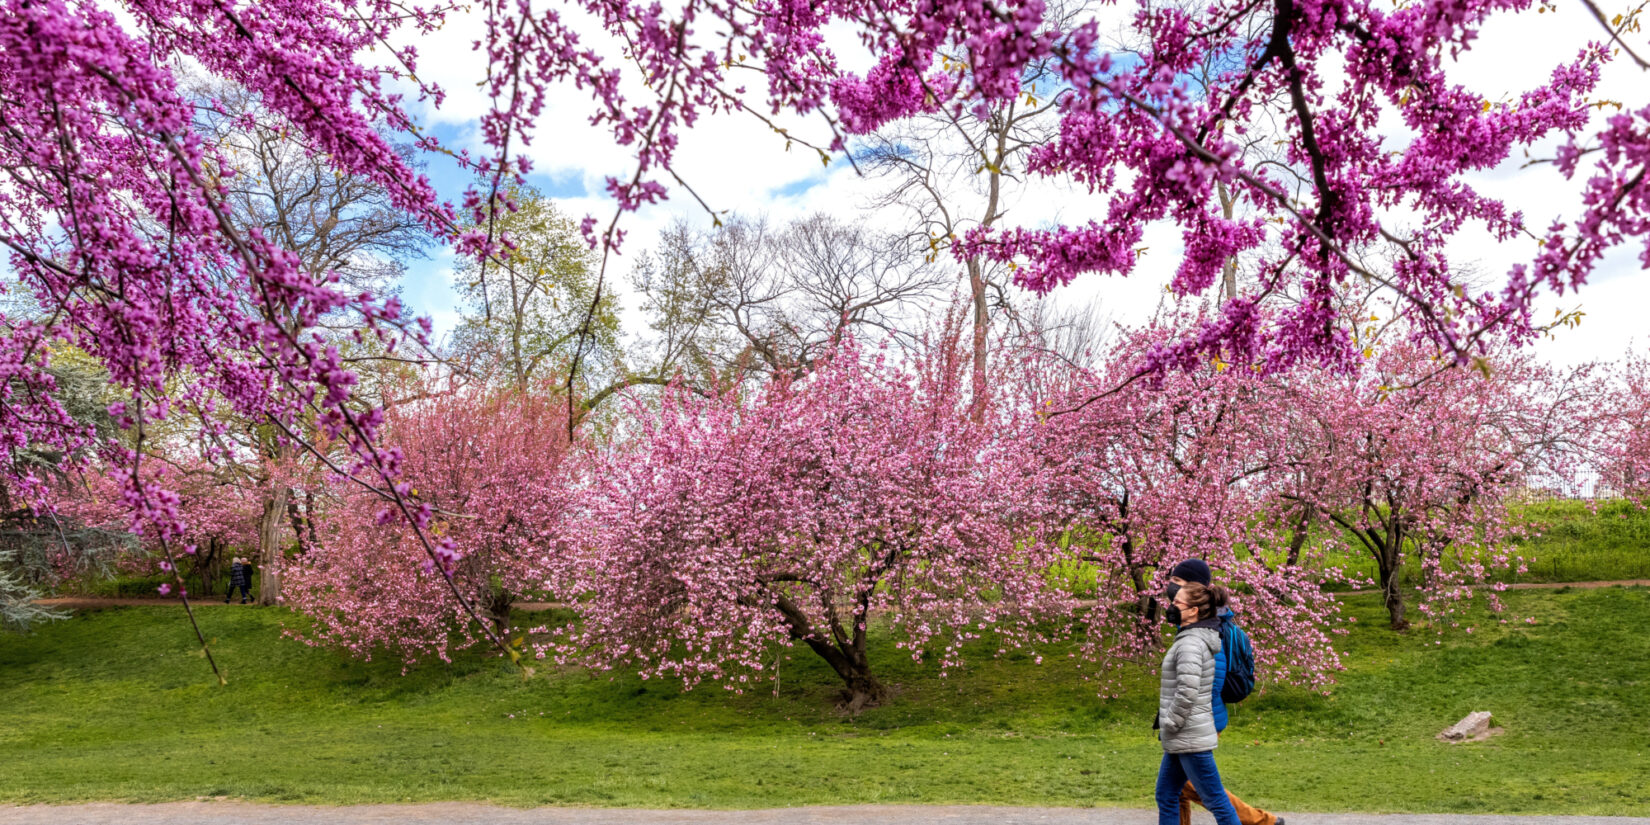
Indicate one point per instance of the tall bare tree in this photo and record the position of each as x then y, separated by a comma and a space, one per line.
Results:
958, 170
750, 296
338, 226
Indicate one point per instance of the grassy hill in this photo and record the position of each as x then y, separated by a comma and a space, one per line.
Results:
119, 705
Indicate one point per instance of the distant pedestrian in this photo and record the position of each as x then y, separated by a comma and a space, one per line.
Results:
240, 575
1185, 707
1197, 570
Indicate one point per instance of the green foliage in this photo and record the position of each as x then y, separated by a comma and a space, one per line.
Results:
119, 705
38, 548
525, 314
84, 391
1572, 543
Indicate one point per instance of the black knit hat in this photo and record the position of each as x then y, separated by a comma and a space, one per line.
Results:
1193, 570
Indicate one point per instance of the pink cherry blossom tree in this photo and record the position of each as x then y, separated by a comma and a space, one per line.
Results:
1416, 461
1143, 475
812, 511
1624, 446
490, 466
114, 209
220, 509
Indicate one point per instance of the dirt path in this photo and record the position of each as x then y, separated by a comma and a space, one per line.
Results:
99, 602
1582, 585
462, 813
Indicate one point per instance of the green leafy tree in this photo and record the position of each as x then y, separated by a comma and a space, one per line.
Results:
38, 547
536, 311
339, 226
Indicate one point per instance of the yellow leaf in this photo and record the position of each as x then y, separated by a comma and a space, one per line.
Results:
1486, 105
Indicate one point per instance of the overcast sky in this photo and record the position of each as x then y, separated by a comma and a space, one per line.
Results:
736, 163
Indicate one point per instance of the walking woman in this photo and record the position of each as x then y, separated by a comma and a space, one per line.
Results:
1185, 707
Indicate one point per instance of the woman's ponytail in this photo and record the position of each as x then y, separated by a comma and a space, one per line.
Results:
1219, 596
1207, 598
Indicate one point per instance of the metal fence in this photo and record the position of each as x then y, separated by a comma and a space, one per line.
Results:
1588, 485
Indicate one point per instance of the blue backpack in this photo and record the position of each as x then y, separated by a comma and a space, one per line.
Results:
1240, 663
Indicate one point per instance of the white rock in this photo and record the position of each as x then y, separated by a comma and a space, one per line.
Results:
1475, 726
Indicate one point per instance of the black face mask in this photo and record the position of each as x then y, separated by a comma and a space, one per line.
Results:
1171, 614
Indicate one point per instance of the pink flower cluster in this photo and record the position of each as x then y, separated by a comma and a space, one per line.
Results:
488, 472
800, 513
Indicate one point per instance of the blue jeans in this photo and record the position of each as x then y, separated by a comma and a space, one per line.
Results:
1200, 769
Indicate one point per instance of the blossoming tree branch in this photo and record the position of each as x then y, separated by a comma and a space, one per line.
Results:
124, 241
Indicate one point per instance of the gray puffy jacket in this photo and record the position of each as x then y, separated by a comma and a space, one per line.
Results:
1185, 704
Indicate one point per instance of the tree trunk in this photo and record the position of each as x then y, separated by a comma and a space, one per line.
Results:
845, 654
297, 519
206, 565
498, 610
269, 545
976, 284
976, 270
1303, 528
309, 515
1228, 270
1391, 566
860, 689
1137, 577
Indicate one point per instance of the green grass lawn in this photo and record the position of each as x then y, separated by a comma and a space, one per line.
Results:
1567, 543
1574, 544
119, 705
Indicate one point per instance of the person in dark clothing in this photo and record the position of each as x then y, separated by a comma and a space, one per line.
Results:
240, 575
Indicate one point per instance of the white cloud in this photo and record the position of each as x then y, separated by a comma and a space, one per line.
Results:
1516, 53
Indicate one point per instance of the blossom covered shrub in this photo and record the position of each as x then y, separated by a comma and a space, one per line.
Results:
1416, 462
1146, 474
1624, 446
492, 467
219, 509
795, 512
